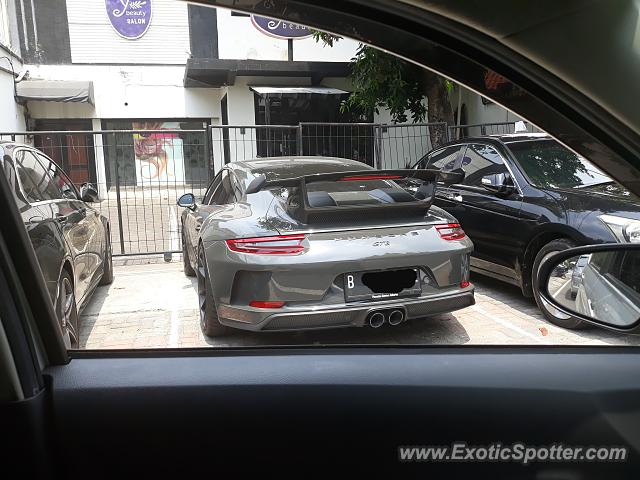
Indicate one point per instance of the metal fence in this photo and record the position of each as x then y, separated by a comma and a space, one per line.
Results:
379, 145
141, 173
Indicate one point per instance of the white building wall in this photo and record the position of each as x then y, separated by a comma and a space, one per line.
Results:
478, 112
11, 114
94, 40
128, 92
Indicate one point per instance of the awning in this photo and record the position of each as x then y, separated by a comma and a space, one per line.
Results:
216, 72
56, 90
304, 90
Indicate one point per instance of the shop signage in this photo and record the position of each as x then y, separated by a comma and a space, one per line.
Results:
279, 28
129, 18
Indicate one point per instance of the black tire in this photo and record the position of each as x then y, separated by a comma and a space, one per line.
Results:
186, 261
107, 274
209, 322
67, 311
549, 312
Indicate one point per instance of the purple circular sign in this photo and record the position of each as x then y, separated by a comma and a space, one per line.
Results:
130, 18
280, 28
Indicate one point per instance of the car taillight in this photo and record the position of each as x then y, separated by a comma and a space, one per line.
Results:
465, 283
280, 245
265, 304
451, 231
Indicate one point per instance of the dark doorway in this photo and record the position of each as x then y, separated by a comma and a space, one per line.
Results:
329, 130
74, 152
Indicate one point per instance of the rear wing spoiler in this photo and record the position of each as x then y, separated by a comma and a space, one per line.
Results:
302, 211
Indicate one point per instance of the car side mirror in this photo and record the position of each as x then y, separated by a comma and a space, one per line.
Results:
89, 193
599, 284
188, 200
497, 183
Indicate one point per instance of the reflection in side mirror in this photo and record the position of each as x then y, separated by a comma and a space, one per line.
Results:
89, 193
599, 283
497, 183
188, 200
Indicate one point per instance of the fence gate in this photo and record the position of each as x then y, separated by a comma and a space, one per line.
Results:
141, 173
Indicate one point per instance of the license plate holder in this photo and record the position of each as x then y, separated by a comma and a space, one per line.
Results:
382, 284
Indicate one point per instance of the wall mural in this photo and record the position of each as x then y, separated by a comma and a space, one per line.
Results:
159, 157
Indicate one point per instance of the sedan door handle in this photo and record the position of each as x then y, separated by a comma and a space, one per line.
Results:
36, 219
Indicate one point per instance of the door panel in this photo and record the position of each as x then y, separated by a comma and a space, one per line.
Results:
35, 196
194, 218
491, 220
77, 224
248, 412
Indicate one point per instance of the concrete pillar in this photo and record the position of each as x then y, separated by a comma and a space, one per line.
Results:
98, 147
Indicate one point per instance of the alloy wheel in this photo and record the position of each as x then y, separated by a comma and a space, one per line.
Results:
550, 308
67, 305
201, 273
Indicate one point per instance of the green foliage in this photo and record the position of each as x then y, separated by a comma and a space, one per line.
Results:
327, 39
381, 80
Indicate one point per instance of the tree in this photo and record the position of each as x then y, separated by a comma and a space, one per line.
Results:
382, 80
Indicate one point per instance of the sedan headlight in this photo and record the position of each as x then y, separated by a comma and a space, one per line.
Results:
624, 229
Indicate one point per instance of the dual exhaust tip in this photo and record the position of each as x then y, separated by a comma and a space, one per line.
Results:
394, 317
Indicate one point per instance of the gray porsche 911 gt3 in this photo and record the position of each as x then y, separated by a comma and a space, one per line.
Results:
313, 242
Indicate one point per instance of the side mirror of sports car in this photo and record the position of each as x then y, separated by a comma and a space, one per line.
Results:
89, 193
256, 184
599, 284
188, 200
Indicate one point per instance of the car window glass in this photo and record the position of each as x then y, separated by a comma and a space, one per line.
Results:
59, 177
629, 271
12, 178
237, 189
444, 159
212, 188
550, 165
480, 160
37, 185
619, 267
228, 193
224, 192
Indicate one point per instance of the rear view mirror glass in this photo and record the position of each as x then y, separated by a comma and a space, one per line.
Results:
600, 284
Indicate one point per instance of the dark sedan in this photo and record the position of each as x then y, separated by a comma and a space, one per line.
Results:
70, 239
524, 197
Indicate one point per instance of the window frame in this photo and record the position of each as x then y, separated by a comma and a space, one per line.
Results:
427, 156
211, 188
228, 190
63, 175
469, 147
231, 195
505, 162
14, 161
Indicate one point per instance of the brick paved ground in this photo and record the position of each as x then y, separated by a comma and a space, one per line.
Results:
152, 304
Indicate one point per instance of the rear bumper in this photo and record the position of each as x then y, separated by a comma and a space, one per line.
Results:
317, 318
